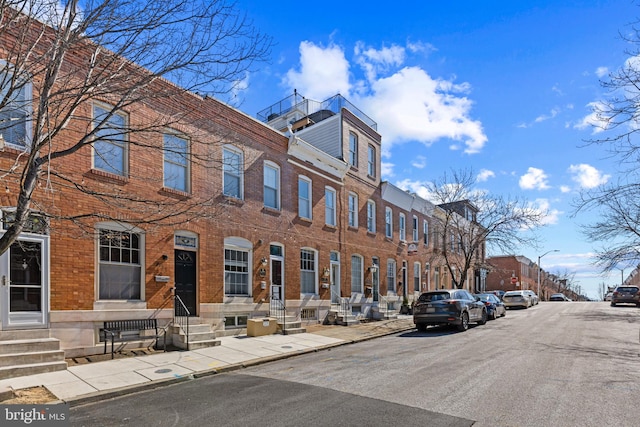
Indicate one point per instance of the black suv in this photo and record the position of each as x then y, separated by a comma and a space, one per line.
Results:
626, 294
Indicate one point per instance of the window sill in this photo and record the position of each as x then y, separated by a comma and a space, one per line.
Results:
371, 233
352, 228
233, 201
182, 195
107, 176
330, 227
307, 220
271, 211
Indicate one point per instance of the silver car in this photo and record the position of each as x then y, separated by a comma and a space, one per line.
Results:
532, 295
516, 299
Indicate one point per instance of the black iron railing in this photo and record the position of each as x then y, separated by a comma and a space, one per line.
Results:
279, 311
181, 316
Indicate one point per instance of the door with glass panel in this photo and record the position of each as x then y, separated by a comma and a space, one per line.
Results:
276, 271
24, 287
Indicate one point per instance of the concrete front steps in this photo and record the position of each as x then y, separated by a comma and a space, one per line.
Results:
29, 352
288, 325
200, 335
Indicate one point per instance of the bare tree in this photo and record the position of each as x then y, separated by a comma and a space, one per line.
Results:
58, 58
473, 222
615, 122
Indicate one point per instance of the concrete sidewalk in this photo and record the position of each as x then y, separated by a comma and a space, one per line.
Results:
101, 380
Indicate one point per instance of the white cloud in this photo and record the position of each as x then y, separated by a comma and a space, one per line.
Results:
534, 179
417, 187
565, 188
406, 102
484, 175
595, 119
419, 162
554, 112
552, 216
387, 169
602, 71
587, 176
323, 72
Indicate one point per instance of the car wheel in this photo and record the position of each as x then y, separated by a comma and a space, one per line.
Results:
421, 327
483, 319
504, 313
464, 322
494, 315
613, 304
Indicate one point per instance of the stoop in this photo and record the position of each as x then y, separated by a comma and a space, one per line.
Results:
29, 352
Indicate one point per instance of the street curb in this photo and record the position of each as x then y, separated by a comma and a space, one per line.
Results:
154, 384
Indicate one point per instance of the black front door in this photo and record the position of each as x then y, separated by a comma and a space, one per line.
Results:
186, 279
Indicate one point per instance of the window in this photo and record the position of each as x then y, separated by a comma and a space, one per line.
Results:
307, 271
425, 232
388, 222
356, 274
403, 227
176, 163
120, 263
452, 238
236, 271
304, 198
427, 276
416, 277
391, 275
232, 166
371, 159
110, 145
353, 149
415, 228
330, 206
14, 116
235, 321
271, 186
371, 216
353, 210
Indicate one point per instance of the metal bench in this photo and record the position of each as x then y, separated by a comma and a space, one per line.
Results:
123, 330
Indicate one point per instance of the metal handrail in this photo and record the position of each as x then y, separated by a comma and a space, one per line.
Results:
181, 315
344, 305
278, 310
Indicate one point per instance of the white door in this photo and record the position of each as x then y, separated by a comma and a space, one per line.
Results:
335, 282
24, 284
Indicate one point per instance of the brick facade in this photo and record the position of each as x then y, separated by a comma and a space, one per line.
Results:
218, 221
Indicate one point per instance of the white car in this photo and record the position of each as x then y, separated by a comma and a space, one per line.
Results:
516, 299
532, 295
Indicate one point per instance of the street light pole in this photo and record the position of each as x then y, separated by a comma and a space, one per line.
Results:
539, 268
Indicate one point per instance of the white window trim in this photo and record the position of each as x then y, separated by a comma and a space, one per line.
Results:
402, 227
240, 153
117, 226
355, 151
415, 229
330, 216
353, 223
388, 222
271, 165
187, 156
361, 278
371, 161
28, 109
309, 201
315, 272
125, 138
371, 219
239, 244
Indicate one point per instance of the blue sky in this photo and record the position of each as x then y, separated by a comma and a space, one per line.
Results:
502, 87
